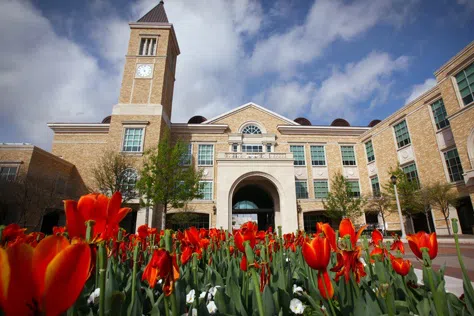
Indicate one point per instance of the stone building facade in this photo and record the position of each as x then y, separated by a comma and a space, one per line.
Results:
258, 163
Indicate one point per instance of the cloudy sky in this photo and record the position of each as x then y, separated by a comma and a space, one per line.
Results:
61, 61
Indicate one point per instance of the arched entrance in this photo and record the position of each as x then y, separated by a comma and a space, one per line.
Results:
255, 198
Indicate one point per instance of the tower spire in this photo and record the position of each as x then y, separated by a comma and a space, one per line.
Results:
155, 15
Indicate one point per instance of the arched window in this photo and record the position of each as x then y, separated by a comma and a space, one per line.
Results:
251, 129
245, 205
128, 180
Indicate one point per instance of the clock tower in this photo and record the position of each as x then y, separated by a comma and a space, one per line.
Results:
146, 94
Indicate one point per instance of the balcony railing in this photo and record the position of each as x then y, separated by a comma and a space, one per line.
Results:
256, 156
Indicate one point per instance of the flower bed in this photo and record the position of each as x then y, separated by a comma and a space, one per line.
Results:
91, 267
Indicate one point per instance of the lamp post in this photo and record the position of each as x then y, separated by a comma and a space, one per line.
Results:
393, 178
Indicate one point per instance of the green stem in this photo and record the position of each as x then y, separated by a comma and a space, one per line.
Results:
89, 230
96, 271
195, 264
327, 295
134, 273
389, 299
256, 286
102, 275
167, 304
429, 271
174, 307
2, 227
458, 249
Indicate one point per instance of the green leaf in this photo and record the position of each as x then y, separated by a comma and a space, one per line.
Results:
268, 301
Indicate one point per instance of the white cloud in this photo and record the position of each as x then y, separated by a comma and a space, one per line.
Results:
419, 89
368, 79
327, 21
46, 77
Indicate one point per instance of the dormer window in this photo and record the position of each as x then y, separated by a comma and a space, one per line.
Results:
147, 47
251, 129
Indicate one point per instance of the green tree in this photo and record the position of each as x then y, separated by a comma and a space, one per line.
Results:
114, 172
341, 201
381, 204
164, 181
442, 196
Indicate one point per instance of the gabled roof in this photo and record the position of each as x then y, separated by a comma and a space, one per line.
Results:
155, 15
248, 105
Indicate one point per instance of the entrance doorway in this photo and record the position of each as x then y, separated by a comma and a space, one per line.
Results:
255, 199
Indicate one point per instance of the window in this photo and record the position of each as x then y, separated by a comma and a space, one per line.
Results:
133, 140
355, 189
147, 47
311, 218
205, 189
317, 156
8, 173
187, 156
252, 148
369, 149
184, 220
375, 186
348, 156
439, 114
454, 165
298, 154
321, 189
301, 189
206, 155
269, 148
235, 147
128, 180
401, 133
251, 129
412, 174
465, 80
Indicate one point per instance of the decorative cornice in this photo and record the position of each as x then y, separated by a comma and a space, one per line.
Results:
454, 59
68, 128
322, 130
199, 128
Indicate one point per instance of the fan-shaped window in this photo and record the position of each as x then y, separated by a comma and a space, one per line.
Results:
303, 121
340, 122
251, 129
128, 180
197, 119
245, 205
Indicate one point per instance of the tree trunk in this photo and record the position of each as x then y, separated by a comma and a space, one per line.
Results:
147, 212
447, 225
428, 222
163, 217
384, 223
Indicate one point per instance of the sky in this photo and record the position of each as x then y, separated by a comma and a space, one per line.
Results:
62, 61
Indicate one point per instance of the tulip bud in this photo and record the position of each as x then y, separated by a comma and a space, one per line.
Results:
454, 224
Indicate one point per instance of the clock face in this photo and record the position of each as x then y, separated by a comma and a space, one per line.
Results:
144, 71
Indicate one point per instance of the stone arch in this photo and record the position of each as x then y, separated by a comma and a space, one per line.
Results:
470, 147
248, 123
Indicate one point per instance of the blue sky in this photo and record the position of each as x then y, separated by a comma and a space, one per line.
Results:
61, 61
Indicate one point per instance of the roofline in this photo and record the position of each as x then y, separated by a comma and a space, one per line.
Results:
454, 59
199, 128
102, 128
323, 130
156, 25
33, 149
247, 105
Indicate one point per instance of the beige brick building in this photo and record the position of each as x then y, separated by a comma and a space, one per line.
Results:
258, 162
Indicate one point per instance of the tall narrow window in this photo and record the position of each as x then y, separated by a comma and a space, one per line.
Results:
439, 114
401, 133
269, 148
348, 156
454, 165
187, 156
133, 140
375, 186
321, 189
465, 81
8, 173
298, 155
301, 189
355, 189
412, 174
128, 180
147, 47
205, 189
317, 156
206, 155
235, 147
369, 149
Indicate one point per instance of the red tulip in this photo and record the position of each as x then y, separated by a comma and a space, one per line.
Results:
346, 228
422, 240
12, 232
400, 266
33, 281
349, 262
317, 253
398, 245
105, 212
327, 230
247, 231
377, 238
162, 265
243, 263
325, 285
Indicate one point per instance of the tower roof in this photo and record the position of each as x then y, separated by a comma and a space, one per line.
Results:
155, 15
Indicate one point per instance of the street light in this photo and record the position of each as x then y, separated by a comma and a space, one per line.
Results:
393, 178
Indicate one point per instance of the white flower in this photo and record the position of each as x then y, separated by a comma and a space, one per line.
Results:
190, 297
213, 290
288, 260
160, 281
194, 312
297, 289
296, 306
211, 307
202, 295
93, 296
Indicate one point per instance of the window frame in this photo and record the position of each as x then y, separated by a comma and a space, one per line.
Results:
254, 126
2, 167
314, 161
211, 191
188, 154
404, 168
260, 146
314, 188
294, 158
468, 85
435, 116
377, 192
406, 141
449, 167
342, 155
212, 158
155, 48
296, 189
352, 187
136, 180
142, 141
369, 160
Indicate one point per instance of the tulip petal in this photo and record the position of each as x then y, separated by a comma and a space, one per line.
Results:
68, 270
4, 276
74, 220
325, 285
346, 228
433, 248
86, 206
114, 204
